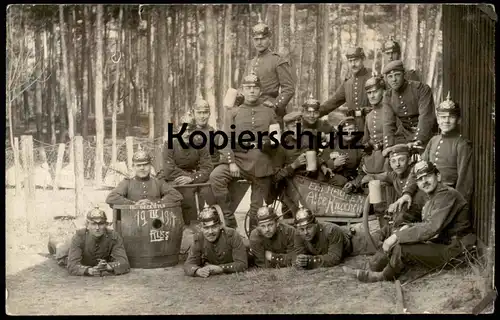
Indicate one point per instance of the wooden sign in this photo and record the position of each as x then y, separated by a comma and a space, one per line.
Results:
325, 200
151, 233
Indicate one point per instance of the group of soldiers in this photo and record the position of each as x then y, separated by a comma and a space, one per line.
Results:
408, 143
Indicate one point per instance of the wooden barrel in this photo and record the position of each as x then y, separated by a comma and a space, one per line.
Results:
152, 234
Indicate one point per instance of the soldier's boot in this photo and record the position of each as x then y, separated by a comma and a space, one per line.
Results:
378, 262
364, 275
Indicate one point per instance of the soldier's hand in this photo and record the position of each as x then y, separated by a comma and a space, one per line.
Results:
405, 199
203, 272
239, 99
269, 255
234, 170
389, 243
269, 104
94, 271
182, 180
213, 269
392, 208
340, 161
348, 187
327, 171
366, 179
301, 260
300, 161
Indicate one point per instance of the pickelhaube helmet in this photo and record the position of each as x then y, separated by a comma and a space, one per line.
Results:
251, 80
97, 215
355, 52
375, 82
423, 168
141, 157
304, 216
266, 213
209, 216
201, 105
311, 103
391, 46
449, 105
261, 30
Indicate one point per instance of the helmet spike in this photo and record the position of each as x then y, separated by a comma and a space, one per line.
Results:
448, 97
260, 18
205, 206
300, 205
264, 204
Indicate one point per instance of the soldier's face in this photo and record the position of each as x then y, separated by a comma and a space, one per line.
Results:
399, 163
142, 170
446, 121
428, 182
308, 232
211, 233
310, 115
96, 228
251, 93
395, 79
356, 64
348, 129
267, 228
201, 117
375, 95
261, 44
292, 126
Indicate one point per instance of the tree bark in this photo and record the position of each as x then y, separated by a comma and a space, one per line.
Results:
84, 94
116, 93
281, 39
199, 62
434, 48
210, 46
163, 34
361, 26
99, 115
226, 79
325, 69
38, 86
72, 68
150, 76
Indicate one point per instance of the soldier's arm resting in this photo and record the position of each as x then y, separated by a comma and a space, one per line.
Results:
389, 126
298, 245
426, 114
465, 179
334, 255
334, 102
75, 256
193, 261
240, 258
169, 193
119, 263
384, 176
287, 86
205, 167
410, 186
284, 260
119, 194
423, 231
170, 168
258, 250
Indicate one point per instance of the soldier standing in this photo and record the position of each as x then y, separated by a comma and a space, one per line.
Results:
143, 188
392, 50
252, 164
97, 249
408, 106
272, 242
273, 70
450, 152
183, 166
352, 91
216, 249
444, 233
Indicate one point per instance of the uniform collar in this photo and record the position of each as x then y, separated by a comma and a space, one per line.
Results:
263, 53
453, 133
403, 87
142, 179
378, 105
361, 72
439, 188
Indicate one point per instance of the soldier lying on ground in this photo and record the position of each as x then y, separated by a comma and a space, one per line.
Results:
94, 250
186, 165
450, 152
143, 188
444, 233
272, 242
344, 160
319, 244
216, 249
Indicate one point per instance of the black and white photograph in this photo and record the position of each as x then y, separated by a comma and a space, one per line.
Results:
250, 158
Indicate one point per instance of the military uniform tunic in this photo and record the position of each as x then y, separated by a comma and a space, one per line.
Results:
373, 134
132, 190
228, 252
408, 114
85, 250
281, 245
328, 248
277, 81
348, 172
452, 155
216, 156
191, 162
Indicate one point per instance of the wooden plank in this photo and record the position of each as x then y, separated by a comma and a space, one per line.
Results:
400, 307
29, 179
79, 176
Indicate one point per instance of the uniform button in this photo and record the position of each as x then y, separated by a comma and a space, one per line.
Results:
400, 97
437, 152
406, 112
401, 102
439, 147
441, 141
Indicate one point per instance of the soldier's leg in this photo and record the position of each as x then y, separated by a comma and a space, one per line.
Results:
59, 249
219, 180
260, 192
379, 260
188, 205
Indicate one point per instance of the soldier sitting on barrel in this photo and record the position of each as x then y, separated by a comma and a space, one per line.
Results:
272, 242
216, 249
96, 250
344, 159
186, 165
444, 233
142, 188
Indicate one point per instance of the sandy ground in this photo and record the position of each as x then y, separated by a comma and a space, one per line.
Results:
37, 286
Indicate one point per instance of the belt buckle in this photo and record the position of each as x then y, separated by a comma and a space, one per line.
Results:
357, 113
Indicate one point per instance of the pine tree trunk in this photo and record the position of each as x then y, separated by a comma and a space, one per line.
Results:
281, 39
361, 24
434, 47
116, 91
38, 86
324, 65
164, 45
150, 76
226, 79
99, 115
209, 78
